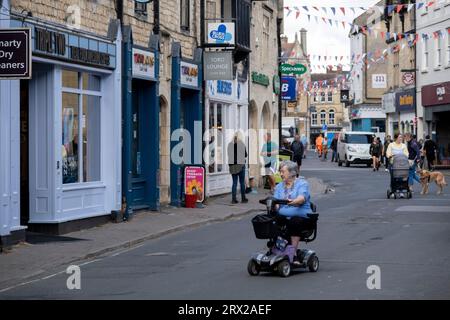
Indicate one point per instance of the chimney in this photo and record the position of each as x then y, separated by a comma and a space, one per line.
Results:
296, 38
303, 33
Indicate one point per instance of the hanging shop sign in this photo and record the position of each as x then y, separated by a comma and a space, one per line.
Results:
388, 102
408, 78
293, 69
260, 78
276, 84
194, 182
288, 88
15, 54
188, 74
143, 64
218, 65
405, 101
221, 33
345, 96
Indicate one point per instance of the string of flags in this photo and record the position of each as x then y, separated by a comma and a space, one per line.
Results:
310, 13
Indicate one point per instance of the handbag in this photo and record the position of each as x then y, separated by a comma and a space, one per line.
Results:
236, 168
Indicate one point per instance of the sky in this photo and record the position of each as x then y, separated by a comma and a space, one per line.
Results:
323, 39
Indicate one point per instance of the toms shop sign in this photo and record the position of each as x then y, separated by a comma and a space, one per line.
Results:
15, 54
143, 64
188, 74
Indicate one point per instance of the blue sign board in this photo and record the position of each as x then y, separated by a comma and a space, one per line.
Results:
288, 88
324, 127
405, 101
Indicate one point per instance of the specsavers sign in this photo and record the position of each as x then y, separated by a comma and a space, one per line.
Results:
15, 54
188, 74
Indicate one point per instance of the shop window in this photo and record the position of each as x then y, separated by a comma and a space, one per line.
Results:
184, 14
81, 125
217, 139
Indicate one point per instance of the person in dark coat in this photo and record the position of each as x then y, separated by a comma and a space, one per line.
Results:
430, 148
297, 149
333, 147
237, 153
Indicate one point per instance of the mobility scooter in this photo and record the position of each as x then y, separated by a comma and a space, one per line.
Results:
279, 257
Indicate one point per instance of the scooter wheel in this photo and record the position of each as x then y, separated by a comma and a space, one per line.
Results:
313, 263
253, 268
284, 268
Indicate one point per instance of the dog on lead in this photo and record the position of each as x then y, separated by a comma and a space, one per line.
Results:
427, 177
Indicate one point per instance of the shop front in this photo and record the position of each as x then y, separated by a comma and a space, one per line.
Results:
405, 106
140, 123
186, 125
227, 113
70, 120
436, 112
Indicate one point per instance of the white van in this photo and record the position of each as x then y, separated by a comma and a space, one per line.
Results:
353, 148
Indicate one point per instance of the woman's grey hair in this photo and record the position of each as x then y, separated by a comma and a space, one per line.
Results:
291, 167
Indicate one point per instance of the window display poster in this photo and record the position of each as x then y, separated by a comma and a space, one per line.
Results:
194, 182
70, 147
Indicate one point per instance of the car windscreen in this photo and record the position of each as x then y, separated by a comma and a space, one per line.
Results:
359, 138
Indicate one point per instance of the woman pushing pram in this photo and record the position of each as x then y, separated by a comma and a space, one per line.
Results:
397, 154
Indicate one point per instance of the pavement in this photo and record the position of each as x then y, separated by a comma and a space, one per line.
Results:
42, 253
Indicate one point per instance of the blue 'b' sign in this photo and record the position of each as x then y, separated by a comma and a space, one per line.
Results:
288, 88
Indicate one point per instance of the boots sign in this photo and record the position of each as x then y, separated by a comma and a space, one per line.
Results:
15, 54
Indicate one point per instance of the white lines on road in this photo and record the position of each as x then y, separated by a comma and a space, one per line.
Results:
427, 209
89, 262
412, 199
159, 254
127, 250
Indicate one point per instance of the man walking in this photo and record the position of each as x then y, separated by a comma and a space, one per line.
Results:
237, 153
430, 148
413, 157
333, 147
298, 149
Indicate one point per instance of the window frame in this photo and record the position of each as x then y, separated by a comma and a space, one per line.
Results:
439, 55
314, 119
80, 92
331, 117
323, 117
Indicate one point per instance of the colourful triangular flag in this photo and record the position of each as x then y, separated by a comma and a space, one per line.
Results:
410, 6
306, 8
334, 10
325, 10
343, 10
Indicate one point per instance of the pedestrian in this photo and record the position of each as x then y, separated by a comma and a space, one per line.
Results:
269, 153
430, 148
422, 157
396, 148
381, 153
414, 158
325, 147
319, 141
237, 153
297, 149
305, 145
333, 147
387, 141
375, 152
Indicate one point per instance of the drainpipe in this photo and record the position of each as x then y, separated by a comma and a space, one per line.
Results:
156, 21
279, 21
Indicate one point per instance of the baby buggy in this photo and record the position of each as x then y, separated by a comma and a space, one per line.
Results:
279, 257
399, 178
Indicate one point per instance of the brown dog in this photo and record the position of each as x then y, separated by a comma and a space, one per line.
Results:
426, 177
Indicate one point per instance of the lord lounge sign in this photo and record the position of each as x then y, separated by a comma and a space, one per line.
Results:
15, 54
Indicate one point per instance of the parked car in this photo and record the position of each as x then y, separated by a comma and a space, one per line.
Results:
353, 148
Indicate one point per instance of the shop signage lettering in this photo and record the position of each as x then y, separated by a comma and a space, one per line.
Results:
15, 54
189, 74
221, 33
225, 87
292, 69
379, 81
260, 78
50, 41
405, 101
218, 65
408, 78
194, 182
436, 94
143, 64
288, 88
89, 56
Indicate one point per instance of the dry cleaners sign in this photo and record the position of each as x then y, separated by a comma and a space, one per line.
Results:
15, 54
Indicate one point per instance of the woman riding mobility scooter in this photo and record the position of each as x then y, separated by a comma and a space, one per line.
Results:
290, 219
281, 253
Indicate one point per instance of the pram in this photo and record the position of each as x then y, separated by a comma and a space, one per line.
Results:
399, 178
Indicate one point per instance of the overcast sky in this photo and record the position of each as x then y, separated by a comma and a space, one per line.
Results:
323, 39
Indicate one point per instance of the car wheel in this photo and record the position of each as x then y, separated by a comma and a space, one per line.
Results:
253, 268
284, 268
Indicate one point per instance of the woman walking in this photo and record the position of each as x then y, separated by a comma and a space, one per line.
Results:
375, 152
